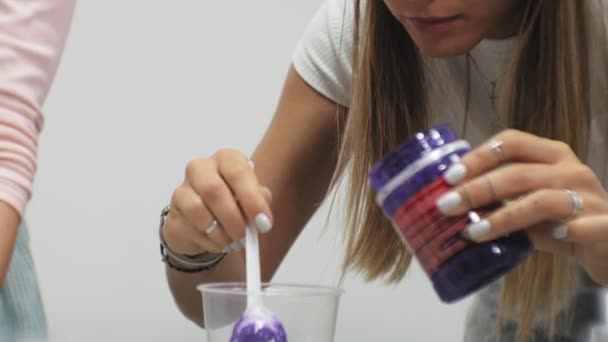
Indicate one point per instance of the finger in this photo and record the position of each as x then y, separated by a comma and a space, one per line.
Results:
242, 181
539, 206
204, 178
266, 193
189, 203
584, 230
543, 241
183, 238
506, 183
214, 232
508, 146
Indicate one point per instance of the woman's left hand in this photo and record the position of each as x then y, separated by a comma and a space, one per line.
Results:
561, 203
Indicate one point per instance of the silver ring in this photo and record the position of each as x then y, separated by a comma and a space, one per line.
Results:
496, 147
467, 197
577, 204
212, 227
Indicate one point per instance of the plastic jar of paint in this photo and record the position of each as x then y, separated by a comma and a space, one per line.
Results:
408, 182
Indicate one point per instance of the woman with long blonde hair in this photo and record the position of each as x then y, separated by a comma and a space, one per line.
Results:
528, 75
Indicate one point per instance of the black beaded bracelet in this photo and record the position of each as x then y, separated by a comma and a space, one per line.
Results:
166, 259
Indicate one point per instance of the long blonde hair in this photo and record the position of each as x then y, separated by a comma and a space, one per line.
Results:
545, 93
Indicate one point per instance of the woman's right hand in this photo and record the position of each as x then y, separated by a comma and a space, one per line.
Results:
224, 189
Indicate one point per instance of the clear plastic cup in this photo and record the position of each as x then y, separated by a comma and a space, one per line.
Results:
307, 312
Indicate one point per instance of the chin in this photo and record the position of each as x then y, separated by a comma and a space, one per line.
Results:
445, 44
443, 51
445, 48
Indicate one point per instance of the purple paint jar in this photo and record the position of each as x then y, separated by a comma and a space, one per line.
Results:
408, 181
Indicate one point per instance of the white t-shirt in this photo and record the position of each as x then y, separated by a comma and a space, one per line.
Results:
323, 58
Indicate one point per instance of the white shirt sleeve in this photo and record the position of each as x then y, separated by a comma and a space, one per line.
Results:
323, 57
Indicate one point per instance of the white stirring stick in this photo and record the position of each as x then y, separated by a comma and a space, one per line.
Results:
256, 319
254, 285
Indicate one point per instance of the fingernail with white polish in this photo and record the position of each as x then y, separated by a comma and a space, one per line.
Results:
236, 246
560, 232
262, 222
455, 173
477, 230
243, 241
448, 202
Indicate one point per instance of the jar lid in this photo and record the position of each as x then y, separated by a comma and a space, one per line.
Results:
408, 152
419, 165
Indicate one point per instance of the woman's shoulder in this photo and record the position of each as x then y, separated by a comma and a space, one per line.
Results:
323, 56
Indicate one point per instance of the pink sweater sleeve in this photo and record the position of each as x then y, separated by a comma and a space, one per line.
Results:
32, 37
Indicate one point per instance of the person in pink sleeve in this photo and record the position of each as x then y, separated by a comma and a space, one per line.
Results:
32, 38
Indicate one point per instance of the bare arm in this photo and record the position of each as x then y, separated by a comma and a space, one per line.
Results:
295, 160
9, 221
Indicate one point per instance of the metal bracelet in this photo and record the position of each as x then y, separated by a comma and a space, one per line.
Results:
199, 269
198, 264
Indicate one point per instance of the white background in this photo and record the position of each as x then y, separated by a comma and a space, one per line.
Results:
144, 87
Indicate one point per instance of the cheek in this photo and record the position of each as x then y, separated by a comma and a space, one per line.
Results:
492, 13
394, 6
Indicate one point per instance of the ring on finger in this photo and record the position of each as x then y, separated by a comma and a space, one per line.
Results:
496, 147
491, 189
577, 204
212, 227
467, 197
